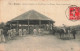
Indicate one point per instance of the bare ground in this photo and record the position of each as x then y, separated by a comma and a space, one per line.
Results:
41, 43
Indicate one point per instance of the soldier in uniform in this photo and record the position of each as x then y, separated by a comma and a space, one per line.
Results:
74, 33
0, 34
14, 32
39, 31
24, 32
35, 31
9, 34
2, 38
20, 32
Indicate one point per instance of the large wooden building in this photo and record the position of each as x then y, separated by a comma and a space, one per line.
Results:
30, 20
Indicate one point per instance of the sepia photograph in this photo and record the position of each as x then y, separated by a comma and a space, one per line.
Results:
34, 25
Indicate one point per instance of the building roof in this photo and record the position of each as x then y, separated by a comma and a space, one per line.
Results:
31, 15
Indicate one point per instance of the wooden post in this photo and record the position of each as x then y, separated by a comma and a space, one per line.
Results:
17, 29
39, 23
45, 26
22, 28
28, 27
49, 25
52, 25
10, 26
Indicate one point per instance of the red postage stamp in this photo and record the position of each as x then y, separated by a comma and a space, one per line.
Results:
74, 13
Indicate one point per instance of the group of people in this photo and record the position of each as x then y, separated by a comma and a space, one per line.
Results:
22, 32
37, 31
66, 32
12, 33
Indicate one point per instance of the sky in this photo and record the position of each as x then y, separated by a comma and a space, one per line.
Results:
52, 9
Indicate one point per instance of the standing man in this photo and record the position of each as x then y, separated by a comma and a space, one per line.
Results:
14, 32
9, 34
74, 33
24, 32
35, 31
64, 30
20, 32
39, 31
0, 34
2, 38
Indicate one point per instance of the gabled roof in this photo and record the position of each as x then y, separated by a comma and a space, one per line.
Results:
31, 15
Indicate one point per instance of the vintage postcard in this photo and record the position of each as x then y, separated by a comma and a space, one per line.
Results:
39, 25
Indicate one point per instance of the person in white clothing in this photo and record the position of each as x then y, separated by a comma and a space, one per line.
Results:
39, 31
14, 32
9, 34
2, 38
20, 32
24, 32
35, 31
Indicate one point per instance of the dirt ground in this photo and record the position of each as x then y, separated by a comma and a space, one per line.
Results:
40, 43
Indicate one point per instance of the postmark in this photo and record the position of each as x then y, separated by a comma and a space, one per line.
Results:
73, 13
